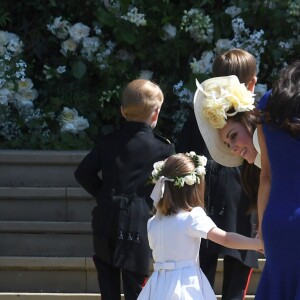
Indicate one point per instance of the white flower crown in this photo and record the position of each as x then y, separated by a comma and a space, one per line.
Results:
224, 98
189, 178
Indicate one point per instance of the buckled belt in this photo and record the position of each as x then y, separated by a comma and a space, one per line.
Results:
171, 265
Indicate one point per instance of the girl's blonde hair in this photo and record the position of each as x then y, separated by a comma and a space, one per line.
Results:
140, 99
176, 198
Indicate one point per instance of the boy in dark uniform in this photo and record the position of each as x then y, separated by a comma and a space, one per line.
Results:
125, 161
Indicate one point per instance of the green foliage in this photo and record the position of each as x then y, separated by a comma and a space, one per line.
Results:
153, 40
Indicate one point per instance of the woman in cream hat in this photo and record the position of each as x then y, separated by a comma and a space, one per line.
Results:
224, 111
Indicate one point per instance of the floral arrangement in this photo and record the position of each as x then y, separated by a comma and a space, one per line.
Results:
224, 97
192, 178
63, 69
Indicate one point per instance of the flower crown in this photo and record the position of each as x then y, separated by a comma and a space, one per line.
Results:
188, 178
224, 97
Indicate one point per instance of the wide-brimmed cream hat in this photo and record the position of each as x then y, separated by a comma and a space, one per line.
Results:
215, 99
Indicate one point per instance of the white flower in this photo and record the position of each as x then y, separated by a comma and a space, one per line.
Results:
146, 74
169, 32
68, 46
61, 69
202, 160
68, 127
233, 11
259, 91
60, 28
80, 123
71, 122
68, 115
26, 97
200, 170
223, 98
25, 84
5, 96
134, 17
190, 179
223, 45
14, 45
90, 46
204, 65
158, 165
4, 38
79, 31
2, 50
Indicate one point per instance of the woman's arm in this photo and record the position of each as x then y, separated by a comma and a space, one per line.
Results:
265, 179
234, 240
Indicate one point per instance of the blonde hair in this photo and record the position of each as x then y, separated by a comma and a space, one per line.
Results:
235, 62
177, 198
140, 99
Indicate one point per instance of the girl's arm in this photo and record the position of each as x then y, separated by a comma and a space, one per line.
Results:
234, 240
265, 179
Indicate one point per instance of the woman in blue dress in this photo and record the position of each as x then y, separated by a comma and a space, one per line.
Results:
222, 110
279, 190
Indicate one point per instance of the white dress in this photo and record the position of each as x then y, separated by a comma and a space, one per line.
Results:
175, 242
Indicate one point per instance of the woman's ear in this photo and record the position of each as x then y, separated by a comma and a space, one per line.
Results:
251, 84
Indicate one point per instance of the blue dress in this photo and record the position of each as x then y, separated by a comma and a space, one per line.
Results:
280, 278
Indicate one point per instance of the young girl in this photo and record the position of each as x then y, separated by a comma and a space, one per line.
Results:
176, 230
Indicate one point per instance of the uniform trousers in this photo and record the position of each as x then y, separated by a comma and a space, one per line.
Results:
109, 279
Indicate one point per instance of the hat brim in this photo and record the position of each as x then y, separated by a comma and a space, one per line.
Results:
217, 149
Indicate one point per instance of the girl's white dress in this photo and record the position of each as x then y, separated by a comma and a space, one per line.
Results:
175, 242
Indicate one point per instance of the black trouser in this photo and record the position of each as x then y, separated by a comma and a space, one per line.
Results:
110, 281
235, 274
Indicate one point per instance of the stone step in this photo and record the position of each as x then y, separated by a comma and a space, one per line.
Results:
70, 275
45, 204
59, 296
45, 238
39, 168
48, 275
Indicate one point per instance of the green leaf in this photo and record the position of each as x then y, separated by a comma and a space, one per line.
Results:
78, 69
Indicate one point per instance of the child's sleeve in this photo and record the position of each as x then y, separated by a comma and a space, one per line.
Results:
200, 224
86, 173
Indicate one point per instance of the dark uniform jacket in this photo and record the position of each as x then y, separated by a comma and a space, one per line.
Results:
116, 172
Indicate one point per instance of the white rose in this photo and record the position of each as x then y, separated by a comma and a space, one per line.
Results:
202, 160
241, 98
25, 84
79, 31
220, 95
68, 46
200, 170
190, 179
68, 127
192, 153
169, 32
68, 115
80, 123
158, 165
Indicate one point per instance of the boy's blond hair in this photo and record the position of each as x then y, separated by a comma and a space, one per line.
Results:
140, 99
